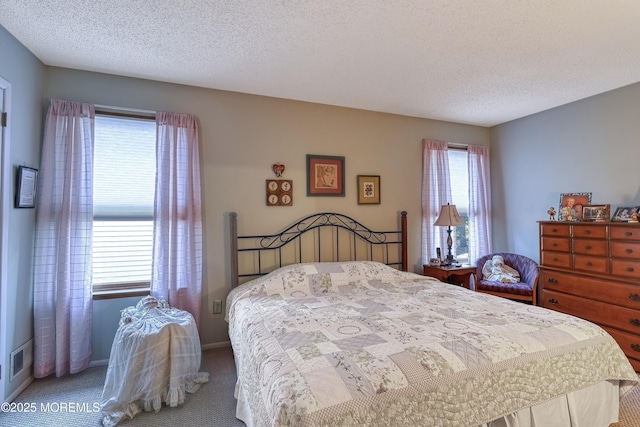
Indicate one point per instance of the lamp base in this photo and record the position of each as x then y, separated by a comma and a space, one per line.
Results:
449, 260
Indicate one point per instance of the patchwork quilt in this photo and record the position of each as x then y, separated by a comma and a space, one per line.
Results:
361, 343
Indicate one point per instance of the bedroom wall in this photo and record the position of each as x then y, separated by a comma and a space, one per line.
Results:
26, 74
589, 145
242, 136
592, 145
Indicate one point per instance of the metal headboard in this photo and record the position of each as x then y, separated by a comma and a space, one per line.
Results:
391, 246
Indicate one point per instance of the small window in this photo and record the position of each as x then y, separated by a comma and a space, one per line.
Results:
123, 196
459, 175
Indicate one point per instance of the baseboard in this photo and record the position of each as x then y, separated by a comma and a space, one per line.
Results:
105, 362
216, 345
94, 363
20, 389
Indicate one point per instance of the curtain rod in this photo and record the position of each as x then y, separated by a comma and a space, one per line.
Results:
125, 112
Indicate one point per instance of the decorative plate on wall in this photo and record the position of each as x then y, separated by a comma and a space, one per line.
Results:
279, 192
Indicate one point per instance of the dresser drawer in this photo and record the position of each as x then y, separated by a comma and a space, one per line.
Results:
555, 230
625, 250
604, 290
624, 268
590, 247
629, 343
591, 264
599, 312
591, 231
558, 244
556, 259
625, 232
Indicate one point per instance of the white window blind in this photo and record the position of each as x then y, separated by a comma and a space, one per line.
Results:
459, 175
123, 192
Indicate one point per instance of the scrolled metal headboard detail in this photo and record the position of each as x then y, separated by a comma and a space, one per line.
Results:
258, 245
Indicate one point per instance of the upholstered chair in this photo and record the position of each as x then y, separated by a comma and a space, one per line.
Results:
526, 290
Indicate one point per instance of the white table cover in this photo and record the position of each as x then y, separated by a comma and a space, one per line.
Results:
155, 358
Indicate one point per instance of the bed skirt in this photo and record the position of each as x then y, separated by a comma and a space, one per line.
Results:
595, 406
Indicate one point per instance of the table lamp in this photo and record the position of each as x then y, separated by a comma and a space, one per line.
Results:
448, 217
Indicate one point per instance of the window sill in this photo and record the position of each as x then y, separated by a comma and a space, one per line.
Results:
120, 293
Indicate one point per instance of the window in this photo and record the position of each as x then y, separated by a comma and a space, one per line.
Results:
123, 196
459, 174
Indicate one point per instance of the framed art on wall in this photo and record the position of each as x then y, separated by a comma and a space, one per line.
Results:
325, 175
571, 205
279, 192
368, 189
26, 185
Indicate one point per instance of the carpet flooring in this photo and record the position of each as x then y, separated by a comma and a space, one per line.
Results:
75, 401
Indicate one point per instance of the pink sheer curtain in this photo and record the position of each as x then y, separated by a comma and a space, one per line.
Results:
479, 202
64, 225
436, 191
177, 234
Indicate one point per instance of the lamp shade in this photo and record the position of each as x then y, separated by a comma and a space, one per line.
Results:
448, 216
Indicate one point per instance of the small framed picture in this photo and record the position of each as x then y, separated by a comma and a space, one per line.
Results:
597, 213
26, 185
368, 189
325, 175
571, 205
625, 213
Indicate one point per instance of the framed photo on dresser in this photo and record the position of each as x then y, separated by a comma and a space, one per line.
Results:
598, 213
625, 213
571, 205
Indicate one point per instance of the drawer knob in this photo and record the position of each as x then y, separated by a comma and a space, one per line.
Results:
635, 347
628, 233
554, 301
634, 297
555, 230
554, 244
630, 269
555, 260
629, 251
589, 264
635, 322
553, 281
587, 232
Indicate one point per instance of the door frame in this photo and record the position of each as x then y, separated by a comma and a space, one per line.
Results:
5, 202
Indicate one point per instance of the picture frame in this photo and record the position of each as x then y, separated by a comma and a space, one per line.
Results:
26, 186
325, 175
279, 192
624, 213
368, 189
571, 205
597, 213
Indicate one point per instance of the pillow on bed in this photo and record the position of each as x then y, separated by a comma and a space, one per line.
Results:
300, 280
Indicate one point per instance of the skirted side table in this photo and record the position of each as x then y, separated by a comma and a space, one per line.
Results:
155, 358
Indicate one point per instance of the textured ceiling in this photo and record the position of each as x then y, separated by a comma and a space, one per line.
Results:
469, 61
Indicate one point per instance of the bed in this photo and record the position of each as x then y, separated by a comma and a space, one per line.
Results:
342, 342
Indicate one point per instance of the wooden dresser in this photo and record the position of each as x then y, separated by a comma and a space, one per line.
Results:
592, 270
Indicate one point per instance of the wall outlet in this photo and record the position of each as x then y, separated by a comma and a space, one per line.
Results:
217, 306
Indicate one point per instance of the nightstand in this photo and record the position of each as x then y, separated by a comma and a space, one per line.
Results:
451, 274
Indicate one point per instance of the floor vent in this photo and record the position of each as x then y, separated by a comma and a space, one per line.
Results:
21, 359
